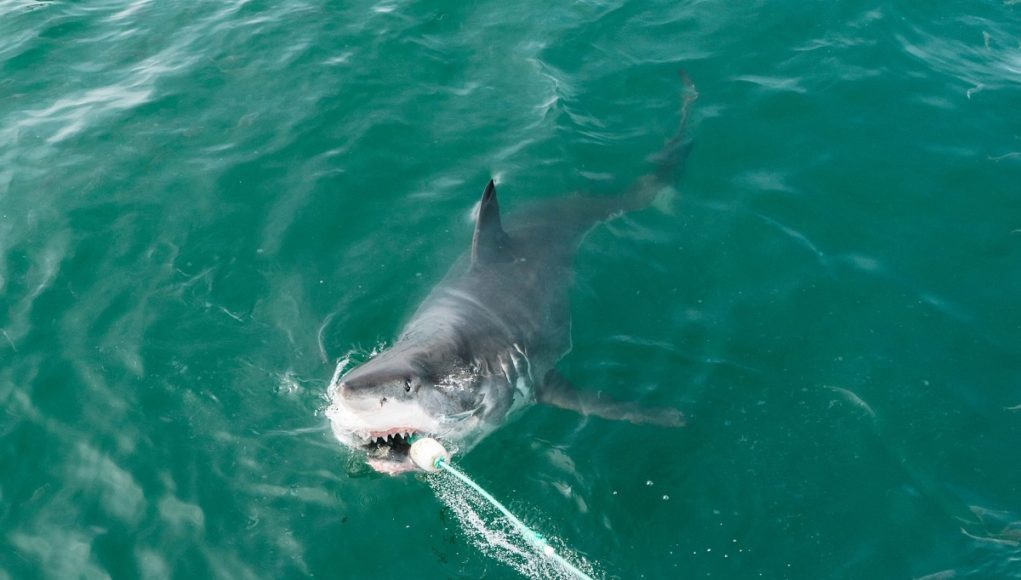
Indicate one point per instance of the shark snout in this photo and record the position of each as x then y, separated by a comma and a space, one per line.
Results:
356, 399
371, 399
368, 413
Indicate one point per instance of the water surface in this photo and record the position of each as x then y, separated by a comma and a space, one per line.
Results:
204, 206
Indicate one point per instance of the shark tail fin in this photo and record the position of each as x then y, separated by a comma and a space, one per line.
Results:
668, 162
571, 216
667, 166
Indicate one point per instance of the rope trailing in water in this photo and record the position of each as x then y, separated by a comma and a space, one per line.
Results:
532, 536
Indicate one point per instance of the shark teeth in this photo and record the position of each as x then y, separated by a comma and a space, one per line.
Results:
386, 436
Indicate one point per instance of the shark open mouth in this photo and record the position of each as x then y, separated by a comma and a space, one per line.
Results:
391, 446
382, 439
389, 450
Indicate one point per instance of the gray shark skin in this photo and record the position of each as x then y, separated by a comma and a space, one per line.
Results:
483, 344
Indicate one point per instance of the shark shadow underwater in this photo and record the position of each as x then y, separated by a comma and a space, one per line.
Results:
483, 344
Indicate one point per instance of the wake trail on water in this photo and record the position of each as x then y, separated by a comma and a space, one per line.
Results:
496, 537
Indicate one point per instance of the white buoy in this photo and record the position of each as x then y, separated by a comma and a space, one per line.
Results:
427, 453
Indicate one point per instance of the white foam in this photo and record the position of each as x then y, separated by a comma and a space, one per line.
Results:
491, 534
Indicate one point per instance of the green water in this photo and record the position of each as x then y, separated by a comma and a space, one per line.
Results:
205, 205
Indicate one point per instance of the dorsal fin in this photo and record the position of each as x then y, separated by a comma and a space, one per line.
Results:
490, 243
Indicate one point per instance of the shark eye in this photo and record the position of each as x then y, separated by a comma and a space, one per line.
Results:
407, 385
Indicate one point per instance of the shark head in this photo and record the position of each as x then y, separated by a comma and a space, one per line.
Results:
377, 408
454, 373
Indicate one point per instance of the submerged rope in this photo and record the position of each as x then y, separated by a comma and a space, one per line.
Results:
532, 536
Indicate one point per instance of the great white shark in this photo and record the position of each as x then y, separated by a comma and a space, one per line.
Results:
483, 344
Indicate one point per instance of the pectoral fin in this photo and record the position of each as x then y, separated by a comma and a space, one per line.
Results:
559, 392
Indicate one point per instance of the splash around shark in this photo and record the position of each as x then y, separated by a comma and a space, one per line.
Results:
483, 344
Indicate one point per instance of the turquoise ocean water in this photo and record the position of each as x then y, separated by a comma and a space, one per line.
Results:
206, 206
